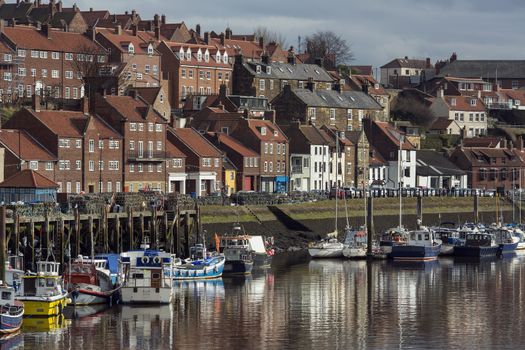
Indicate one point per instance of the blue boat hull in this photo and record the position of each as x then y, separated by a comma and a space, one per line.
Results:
414, 253
475, 251
237, 267
207, 269
507, 248
10, 324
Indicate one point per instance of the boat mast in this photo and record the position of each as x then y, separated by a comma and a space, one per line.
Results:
336, 176
400, 169
365, 175
2, 245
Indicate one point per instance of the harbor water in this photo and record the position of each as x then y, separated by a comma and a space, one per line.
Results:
321, 304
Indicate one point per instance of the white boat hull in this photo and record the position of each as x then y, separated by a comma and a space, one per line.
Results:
521, 246
354, 253
326, 252
146, 295
89, 299
446, 249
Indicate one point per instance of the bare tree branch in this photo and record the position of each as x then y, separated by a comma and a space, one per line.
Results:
270, 36
329, 46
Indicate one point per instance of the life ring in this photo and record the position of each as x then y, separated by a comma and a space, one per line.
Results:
145, 260
156, 260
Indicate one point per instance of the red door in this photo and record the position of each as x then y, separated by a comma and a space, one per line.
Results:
247, 183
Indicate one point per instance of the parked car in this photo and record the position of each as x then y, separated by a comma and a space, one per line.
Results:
340, 192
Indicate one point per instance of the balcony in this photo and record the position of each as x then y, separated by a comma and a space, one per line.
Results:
502, 105
147, 156
297, 169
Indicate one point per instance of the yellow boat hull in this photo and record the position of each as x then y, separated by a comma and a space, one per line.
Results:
44, 324
44, 308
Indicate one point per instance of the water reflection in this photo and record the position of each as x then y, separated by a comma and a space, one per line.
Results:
322, 304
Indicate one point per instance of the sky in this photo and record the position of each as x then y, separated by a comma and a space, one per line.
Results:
377, 30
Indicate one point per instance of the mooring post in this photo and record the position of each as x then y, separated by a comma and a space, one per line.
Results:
105, 229
32, 233
153, 228
175, 232
91, 243
476, 208
3, 251
77, 232
117, 234
62, 242
16, 229
46, 228
187, 235
130, 229
166, 231
370, 225
419, 211
141, 219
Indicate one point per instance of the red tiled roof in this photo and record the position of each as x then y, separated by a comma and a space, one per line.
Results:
30, 38
149, 94
249, 49
514, 94
123, 40
24, 146
482, 141
28, 179
256, 127
91, 16
441, 123
4, 48
196, 142
391, 132
63, 123
376, 158
232, 143
133, 109
174, 151
462, 103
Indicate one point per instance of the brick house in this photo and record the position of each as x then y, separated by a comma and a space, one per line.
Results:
268, 140
87, 149
245, 160
344, 110
215, 119
176, 169
404, 72
22, 152
204, 162
193, 69
369, 85
157, 98
343, 156
133, 56
46, 59
144, 133
267, 79
490, 168
469, 112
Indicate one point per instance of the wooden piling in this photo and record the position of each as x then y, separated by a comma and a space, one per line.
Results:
419, 211
141, 220
476, 208
117, 235
46, 228
105, 229
32, 235
77, 233
16, 229
187, 235
91, 243
3, 252
130, 229
370, 225
166, 233
61, 234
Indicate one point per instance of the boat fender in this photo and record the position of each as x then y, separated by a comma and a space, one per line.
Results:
156, 260
145, 260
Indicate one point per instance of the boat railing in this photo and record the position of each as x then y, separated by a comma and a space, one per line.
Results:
12, 310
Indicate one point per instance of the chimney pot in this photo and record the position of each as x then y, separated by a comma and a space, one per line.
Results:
163, 19
207, 38
198, 29
118, 30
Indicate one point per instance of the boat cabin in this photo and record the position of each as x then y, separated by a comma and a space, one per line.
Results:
479, 239
503, 236
8, 296
422, 238
40, 285
234, 242
145, 268
198, 252
47, 268
80, 272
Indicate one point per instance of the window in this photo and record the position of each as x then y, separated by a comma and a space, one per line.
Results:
100, 144
471, 117
68, 187
150, 168
21, 53
33, 164
100, 165
75, 93
29, 90
67, 92
78, 143
332, 114
132, 127
109, 187
219, 75
91, 145
33, 72
139, 76
271, 148
44, 74
69, 56
190, 73
91, 165
515, 84
141, 126
208, 75
131, 145
8, 76
278, 148
262, 84
216, 162
54, 74
158, 127
68, 74
78, 164
150, 49
265, 166
8, 57
22, 72
265, 148
473, 102
113, 165
312, 113
270, 167
159, 145
117, 186
177, 163
271, 84
150, 127
155, 69
132, 168
55, 55
206, 162
201, 74
131, 48
49, 165
146, 69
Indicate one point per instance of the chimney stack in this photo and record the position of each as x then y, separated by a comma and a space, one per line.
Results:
207, 38
365, 87
441, 92
319, 61
428, 64
261, 42
291, 56
118, 30
310, 85
85, 105
91, 33
504, 143
228, 33
59, 6
46, 30
222, 37
198, 30
156, 20
163, 19
36, 102
520, 143
265, 58
134, 29
222, 91
2, 26
133, 94
479, 94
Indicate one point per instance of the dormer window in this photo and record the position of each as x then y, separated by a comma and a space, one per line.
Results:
181, 54
473, 102
199, 55
276, 133
188, 54
268, 70
207, 56
263, 130
225, 58
218, 57
452, 101
131, 48
150, 49
258, 69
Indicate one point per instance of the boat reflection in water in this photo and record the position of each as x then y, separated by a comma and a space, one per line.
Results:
76, 312
12, 341
45, 324
214, 288
144, 327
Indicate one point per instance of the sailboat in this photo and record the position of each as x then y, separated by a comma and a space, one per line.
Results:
330, 247
356, 241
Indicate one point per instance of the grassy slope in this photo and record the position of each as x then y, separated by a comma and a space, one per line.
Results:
325, 209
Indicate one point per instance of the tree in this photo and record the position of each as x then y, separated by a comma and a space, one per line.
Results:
413, 110
329, 46
270, 36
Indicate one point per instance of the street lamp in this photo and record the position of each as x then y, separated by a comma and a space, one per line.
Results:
400, 181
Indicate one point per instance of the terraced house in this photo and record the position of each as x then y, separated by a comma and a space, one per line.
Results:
267, 79
88, 150
343, 110
144, 133
194, 69
45, 61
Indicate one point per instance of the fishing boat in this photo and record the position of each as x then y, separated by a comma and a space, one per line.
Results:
201, 265
477, 244
392, 237
144, 280
506, 241
260, 247
88, 282
42, 293
421, 246
11, 311
238, 255
356, 243
449, 238
111, 264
